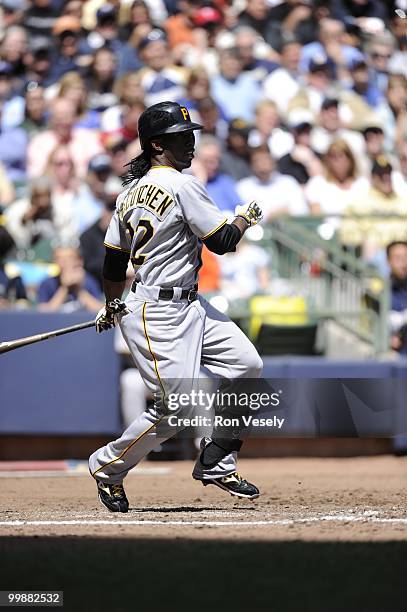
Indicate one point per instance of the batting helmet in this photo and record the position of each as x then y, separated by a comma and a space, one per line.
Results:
164, 118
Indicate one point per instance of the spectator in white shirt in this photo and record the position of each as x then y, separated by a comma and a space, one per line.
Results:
282, 84
268, 130
330, 129
277, 194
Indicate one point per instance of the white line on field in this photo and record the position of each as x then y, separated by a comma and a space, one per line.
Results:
265, 523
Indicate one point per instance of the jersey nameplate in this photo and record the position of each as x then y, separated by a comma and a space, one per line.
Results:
149, 196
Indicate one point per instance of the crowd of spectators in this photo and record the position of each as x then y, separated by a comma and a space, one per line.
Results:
303, 106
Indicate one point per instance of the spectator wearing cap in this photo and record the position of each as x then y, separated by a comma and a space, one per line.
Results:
363, 85
13, 105
373, 135
88, 204
73, 288
100, 80
12, 289
276, 193
83, 143
221, 187
91, 241
330, 44
282, 84
301, 162
66, 32
330, 128
36, 223
378, 213
40, 17
268, 130
35, 109
13, 152
235, 160
236, 93
72, 87
12, 12
160, 79
254, 53
392, 112
39, 62
339, 183
316, 84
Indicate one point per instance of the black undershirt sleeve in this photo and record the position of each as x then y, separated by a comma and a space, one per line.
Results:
115, 265
224, 240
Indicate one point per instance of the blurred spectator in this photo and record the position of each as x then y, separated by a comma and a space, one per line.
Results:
100, 80
7, 192
35, 109
209, 273
40, 17
211, 119
399, 177
105, 34
89, 201
330, 128
72, 87
301, 163
374, 146
180, 28
246, 272
380, 49
299, 18
91, 241
393, 110
61, 171
12, 12
128, 130
237, 93
127, 90
139, 15
67, 56
39, 62
330, 44
268, 130
14, 48
398, 27
36, 224
13, 105
13, 148
251, 49
345, 10
256, 15
116, 148
160, 79
197, 88
317, 83
397, 260
83, 143
72, 289
339, 185
221, 188
235, 160
276, 193
282, 84
363, 85
11, 286
378, 211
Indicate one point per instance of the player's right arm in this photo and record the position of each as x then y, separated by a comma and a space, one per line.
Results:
207, 221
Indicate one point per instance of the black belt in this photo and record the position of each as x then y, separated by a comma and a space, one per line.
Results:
168, 294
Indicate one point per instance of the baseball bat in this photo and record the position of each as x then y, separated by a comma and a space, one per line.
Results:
13, 344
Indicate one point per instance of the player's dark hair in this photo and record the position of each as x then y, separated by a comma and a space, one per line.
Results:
139, 166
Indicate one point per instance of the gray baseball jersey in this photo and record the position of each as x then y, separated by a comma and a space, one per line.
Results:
161, 220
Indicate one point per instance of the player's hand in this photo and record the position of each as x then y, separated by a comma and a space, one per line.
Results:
251, 213
105, 318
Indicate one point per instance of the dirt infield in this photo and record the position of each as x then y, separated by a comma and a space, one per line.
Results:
327, 534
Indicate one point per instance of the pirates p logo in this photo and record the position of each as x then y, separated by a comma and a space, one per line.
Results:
185, 113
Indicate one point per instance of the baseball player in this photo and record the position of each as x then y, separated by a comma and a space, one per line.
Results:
161, 221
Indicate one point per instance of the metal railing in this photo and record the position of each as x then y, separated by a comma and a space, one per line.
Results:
335, 282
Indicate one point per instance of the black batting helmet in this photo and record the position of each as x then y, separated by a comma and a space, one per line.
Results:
164, 118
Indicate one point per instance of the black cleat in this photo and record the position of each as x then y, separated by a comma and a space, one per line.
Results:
113, 497
235, 485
